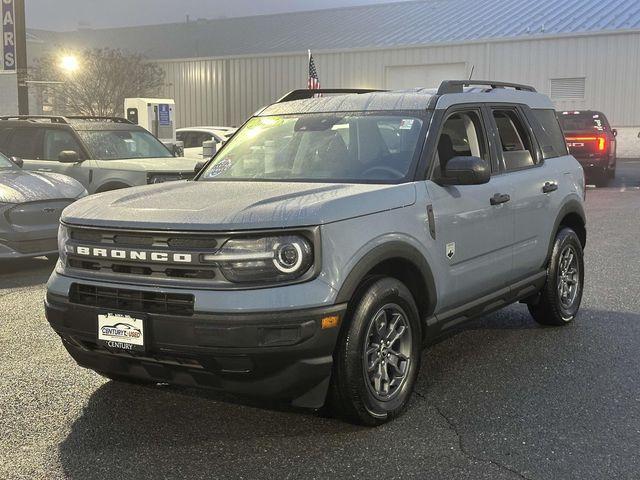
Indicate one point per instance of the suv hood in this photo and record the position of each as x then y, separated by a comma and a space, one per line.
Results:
235, 205
20, 186
169, 164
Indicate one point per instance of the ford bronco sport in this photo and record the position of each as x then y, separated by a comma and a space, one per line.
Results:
102, 153
325, 244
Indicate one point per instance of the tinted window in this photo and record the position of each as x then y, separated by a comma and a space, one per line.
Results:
58, 141
115, 144
321, 147
581, 121
5, 133
517, 149
554, 145
462, 135
25, 143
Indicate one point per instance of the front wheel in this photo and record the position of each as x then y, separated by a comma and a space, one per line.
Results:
378, 355
561, 295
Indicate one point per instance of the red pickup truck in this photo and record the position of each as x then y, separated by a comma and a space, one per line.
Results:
592, 141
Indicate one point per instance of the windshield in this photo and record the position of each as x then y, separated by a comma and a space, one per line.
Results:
116, 144
358, 148
6, 163
570, 121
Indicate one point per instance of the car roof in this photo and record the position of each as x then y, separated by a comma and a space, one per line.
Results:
417, 99
74, 124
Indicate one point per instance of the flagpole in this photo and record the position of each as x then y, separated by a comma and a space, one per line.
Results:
308, 65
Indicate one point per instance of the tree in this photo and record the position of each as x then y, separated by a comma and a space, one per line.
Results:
103, 79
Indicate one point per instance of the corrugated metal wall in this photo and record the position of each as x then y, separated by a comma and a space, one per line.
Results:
227, 90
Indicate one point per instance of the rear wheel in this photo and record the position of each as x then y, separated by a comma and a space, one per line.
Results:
561, 295
378, 355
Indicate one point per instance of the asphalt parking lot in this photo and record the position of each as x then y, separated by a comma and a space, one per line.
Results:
502, 399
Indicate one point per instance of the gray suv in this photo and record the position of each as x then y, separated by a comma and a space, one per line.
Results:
102, 153
325, 244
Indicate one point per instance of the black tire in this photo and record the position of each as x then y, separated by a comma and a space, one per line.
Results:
552, 306
601, 178
611, 173
353, 391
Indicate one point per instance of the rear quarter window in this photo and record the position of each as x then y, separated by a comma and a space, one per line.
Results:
552, 143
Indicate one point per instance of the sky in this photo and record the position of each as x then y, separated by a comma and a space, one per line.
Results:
72, 14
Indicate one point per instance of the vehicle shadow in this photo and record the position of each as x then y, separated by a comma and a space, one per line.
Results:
167, 432
25, 272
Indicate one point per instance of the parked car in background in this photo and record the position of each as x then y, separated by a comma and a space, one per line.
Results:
102, 153
592, 141
30, 208
194, 137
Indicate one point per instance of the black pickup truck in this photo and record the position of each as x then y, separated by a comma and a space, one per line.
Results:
592, 141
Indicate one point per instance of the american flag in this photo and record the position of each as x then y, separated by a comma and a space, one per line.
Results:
314, 82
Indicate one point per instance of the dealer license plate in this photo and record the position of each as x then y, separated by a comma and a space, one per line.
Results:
121, 331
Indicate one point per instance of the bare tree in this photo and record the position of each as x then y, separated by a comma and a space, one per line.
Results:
103, 79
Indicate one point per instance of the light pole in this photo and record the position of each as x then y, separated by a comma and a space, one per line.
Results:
21, 57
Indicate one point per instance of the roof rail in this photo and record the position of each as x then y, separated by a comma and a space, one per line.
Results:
457, 86
35, 118
306, 93
99, 118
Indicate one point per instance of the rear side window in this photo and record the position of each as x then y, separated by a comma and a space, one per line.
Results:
517, 148
25, 143
5, 133
554, 145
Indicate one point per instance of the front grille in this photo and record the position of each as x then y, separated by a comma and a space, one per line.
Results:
132, 300
34, 246
194, 244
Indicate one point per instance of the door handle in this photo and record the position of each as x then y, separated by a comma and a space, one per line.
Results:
549, 187
499, 198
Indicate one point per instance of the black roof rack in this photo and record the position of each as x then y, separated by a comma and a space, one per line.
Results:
98, 118
457, 86
66, 119
306, 93
35, 118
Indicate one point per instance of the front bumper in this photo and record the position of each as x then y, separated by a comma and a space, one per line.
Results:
284, 356
26, 245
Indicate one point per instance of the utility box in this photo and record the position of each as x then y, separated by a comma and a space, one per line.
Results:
155, 114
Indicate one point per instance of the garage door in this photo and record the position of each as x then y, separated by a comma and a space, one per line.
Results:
410, 76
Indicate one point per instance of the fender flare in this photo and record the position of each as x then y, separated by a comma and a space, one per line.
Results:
570, 206
387, 251
109, 186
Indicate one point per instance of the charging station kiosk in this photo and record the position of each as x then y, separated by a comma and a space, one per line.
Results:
157, 115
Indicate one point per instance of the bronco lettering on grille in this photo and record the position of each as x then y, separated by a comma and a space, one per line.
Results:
141, 255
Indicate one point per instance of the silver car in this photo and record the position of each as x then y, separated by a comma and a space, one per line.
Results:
30, 208
102, 153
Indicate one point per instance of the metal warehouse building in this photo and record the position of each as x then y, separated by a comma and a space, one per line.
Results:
582, 53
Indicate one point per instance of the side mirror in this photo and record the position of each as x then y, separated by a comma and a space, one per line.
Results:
199, 166
18, 161
178, 148
68, 156
466, 171
615, 132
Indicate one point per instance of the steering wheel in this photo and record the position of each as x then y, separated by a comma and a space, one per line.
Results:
383, 168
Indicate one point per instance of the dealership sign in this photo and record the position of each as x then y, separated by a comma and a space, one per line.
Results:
8, 36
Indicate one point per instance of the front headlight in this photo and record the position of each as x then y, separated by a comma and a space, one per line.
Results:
63, 238
267, 259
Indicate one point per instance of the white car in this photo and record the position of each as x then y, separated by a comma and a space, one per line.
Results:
194, 137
